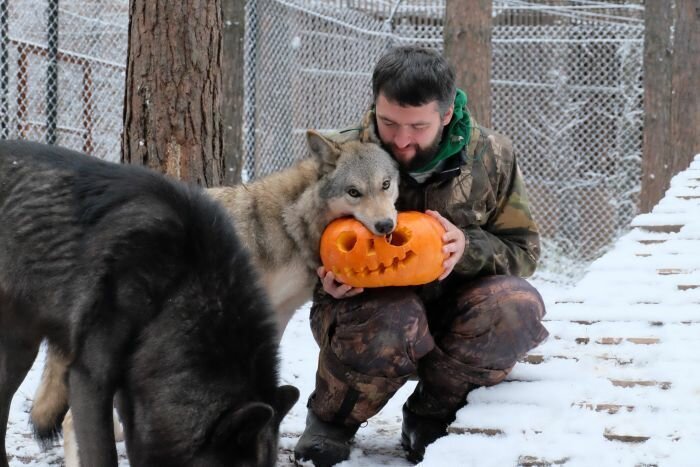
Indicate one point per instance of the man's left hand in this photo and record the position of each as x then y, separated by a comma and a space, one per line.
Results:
453, 241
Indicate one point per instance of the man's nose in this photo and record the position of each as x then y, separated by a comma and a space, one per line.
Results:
402, 139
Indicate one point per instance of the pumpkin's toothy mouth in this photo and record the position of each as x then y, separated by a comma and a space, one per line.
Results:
347, 240
394, 266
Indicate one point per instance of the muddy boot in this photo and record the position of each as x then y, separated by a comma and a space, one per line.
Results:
324, 443
426, 418
417, 432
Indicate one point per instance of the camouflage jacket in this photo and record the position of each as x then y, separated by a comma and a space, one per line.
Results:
482, 193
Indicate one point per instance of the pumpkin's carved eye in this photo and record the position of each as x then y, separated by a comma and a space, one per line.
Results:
399, 237
346, 241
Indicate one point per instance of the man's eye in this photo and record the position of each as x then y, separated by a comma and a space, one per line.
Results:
389, 124
386, 184
354, 192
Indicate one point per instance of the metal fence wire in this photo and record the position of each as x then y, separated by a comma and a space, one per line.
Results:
566, 80
62, 70
567, 89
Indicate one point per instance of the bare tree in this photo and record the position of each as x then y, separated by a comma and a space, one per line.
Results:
468, 27
172, 112
671, 96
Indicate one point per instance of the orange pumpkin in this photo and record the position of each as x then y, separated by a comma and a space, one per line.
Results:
411, 255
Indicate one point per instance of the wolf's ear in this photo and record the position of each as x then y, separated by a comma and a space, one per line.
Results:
368, 133
325, 150
286, 397
244, 424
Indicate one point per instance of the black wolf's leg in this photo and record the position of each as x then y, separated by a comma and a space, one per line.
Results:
17, 353
91, 404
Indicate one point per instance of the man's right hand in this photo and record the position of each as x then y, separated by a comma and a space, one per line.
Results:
334, 288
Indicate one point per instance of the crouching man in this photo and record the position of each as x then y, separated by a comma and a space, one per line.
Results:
466, 330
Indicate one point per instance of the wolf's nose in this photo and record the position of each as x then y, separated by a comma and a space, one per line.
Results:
384, 226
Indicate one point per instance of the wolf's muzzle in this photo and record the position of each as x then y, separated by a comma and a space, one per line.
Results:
384, 226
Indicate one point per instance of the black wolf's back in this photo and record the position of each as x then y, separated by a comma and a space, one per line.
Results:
66, 213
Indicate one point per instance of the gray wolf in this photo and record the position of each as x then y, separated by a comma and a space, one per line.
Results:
280, 219
142, 284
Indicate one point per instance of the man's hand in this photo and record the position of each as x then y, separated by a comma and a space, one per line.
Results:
453, 241
334, 288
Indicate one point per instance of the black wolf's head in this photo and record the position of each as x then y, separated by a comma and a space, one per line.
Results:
201, 387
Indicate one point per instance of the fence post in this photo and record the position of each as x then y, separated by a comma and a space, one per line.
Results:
250, 98
4, 71
52, 71
88, 145
232, 70
22, 89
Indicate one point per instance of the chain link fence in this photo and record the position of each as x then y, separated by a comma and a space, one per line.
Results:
566, 80
567, 88
62, 69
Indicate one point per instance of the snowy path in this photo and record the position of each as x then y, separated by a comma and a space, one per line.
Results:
616, 383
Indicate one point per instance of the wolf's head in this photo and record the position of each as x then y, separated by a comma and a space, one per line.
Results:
359, 179
202, 392
201, 386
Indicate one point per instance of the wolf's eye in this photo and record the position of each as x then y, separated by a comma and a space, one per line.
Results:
354, 192
386, 184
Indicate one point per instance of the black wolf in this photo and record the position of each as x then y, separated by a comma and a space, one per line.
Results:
142, 284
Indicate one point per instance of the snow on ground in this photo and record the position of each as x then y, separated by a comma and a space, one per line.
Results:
377, 443
616, 383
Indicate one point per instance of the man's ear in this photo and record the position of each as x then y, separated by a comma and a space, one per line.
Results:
448, 115
368, 133
323, 149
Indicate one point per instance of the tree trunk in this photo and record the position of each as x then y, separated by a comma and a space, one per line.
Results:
232, 76
671, 97
467, 35
172, 111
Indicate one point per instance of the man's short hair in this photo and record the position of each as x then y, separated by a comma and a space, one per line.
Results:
412, 75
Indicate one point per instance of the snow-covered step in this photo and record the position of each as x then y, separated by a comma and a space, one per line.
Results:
549, 448
671, 332
651, 312
646, 259
660, 395
642, 421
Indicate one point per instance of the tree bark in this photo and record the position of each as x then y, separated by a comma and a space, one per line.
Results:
172, 116
671, 97
467, 36
232, 76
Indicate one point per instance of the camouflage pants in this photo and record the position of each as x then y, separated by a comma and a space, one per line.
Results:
372, 343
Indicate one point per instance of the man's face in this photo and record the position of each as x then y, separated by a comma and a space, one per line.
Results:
411, 134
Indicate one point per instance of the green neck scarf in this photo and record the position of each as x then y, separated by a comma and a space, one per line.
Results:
457, 136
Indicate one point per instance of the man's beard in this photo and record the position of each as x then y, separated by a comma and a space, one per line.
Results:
423, 156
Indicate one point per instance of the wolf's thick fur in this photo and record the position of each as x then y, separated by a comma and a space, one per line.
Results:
281, 217
141, 283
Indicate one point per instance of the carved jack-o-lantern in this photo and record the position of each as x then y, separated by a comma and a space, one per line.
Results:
411, 255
